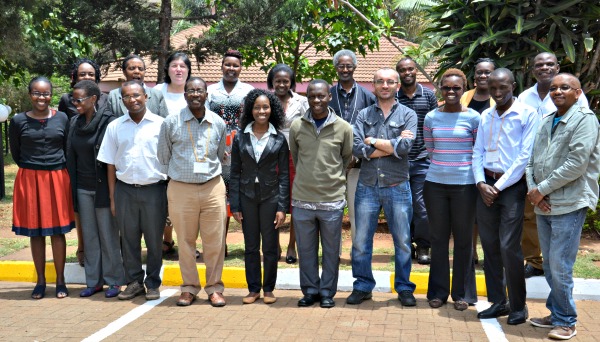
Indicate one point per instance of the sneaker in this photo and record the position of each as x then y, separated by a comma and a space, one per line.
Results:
152, 294
531, 271
543, 322
133, 289
112, 291
562, 333
357, 297
406, 298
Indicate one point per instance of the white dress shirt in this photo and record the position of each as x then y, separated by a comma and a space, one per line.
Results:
531, 97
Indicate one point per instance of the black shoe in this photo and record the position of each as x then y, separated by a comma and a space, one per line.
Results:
531, 271
358, 296
327, 302
406, 298
413, 251
495, 311
423, 257
308, 300
518, 317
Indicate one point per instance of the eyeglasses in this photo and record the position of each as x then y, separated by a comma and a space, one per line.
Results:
80, 101
195, 91
454, 89
563, 88
38, 94
133, 96
391, 83
345, 66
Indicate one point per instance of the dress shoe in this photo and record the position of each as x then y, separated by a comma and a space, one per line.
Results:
216, 299
423, 257
251, 298
436, 303
308, 300
186, 299
407, 298
495, 311
531, 271
518, 317
358, 296
327, 302
269, 298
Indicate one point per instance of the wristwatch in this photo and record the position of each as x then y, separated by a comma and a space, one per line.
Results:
373, 142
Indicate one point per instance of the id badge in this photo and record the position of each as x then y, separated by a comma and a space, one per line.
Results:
492, 156
201, 167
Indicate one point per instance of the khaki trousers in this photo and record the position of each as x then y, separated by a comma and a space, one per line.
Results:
530, 242
200, 208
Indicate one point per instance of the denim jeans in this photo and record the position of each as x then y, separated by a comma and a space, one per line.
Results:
397, 206
559, 239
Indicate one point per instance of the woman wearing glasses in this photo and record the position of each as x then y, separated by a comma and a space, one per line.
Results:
42, 202
449, 133
103, 263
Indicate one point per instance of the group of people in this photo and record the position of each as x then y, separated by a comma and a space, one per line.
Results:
143, 161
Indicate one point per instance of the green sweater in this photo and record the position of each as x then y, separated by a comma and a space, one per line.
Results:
320, 157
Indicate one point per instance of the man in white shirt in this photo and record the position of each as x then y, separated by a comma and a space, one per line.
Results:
137, 189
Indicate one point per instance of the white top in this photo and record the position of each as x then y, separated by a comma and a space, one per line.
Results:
175, 101
511, 135
296, 107
531, 97
132, 148
258, 145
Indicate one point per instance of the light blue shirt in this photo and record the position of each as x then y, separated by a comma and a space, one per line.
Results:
531, 97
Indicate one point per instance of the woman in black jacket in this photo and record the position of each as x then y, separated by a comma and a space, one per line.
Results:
259, 188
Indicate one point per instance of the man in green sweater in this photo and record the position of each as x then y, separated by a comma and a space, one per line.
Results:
321, 147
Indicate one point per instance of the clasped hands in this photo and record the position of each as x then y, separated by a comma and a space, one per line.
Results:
538, 200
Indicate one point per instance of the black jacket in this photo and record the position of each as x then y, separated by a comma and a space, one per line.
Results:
272, 171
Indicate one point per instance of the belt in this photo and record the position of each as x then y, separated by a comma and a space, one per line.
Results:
144, 185
492, 174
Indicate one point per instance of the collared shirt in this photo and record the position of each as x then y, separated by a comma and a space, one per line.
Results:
258, 145
531, 97
227, 105
347, 104
132, 148
297, 106
423, 102
511, 135
184, 141
389, 170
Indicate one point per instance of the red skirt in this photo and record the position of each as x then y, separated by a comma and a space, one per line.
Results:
42, 203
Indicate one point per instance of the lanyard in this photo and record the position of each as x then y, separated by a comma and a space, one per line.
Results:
194, 145
499, 132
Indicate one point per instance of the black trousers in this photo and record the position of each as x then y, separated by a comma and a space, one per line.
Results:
500, 230
452, 211
258, 224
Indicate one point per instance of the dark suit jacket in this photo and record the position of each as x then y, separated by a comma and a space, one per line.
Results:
272, 171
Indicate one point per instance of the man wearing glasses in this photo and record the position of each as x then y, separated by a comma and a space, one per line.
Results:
545, 67
383, 137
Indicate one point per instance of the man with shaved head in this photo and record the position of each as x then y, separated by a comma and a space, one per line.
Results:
501, 151
562, 177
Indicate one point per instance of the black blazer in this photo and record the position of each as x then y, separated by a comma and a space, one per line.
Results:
272, 171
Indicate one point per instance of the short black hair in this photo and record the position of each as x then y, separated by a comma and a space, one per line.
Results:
232, 53
192, 79
485, 60
318, 81
277, 69
175, 56
404, 59
75, 70
90, 88
503, 71
132, 82
277, 115
130, 57
38, 79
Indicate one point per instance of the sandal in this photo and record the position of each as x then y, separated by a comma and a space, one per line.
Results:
61, 291
38, 291
80, 257
170, 248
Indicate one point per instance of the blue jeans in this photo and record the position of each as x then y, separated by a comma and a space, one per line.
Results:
397, 206
559, 240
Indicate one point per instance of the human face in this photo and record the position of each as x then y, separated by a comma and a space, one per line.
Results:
564, 92
482, 74
386, 84
261, 111
134, 99
178, 71
231, 67
408, 72
318, 96
86, 71
545, 67
135, 70
345, 69
452, 88
40, 95
282, 83
501, 90
195, 94
86, 106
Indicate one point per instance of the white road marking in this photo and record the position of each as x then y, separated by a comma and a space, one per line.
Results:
491, 326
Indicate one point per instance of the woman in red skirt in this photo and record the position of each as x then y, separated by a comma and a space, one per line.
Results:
42, 202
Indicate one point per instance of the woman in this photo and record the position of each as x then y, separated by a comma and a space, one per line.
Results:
260, 192
449, 133
226, 98
42, 202
103, 264
282, 79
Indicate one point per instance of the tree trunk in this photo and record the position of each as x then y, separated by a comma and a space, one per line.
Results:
164, 27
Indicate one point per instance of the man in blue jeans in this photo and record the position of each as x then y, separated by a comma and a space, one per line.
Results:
562, 178
383, 137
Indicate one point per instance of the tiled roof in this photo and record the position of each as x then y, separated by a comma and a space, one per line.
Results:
386, 56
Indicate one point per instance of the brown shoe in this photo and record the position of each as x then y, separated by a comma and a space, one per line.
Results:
186, 299
269, 298
216, 299
436, 303
251, 297
461, 305
562, 333
543, 322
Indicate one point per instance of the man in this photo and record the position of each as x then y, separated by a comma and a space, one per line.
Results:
348, 98
562, 177
421, 100
321, 147
545, 67
192, 145
383, 182
500, 154
136, 184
